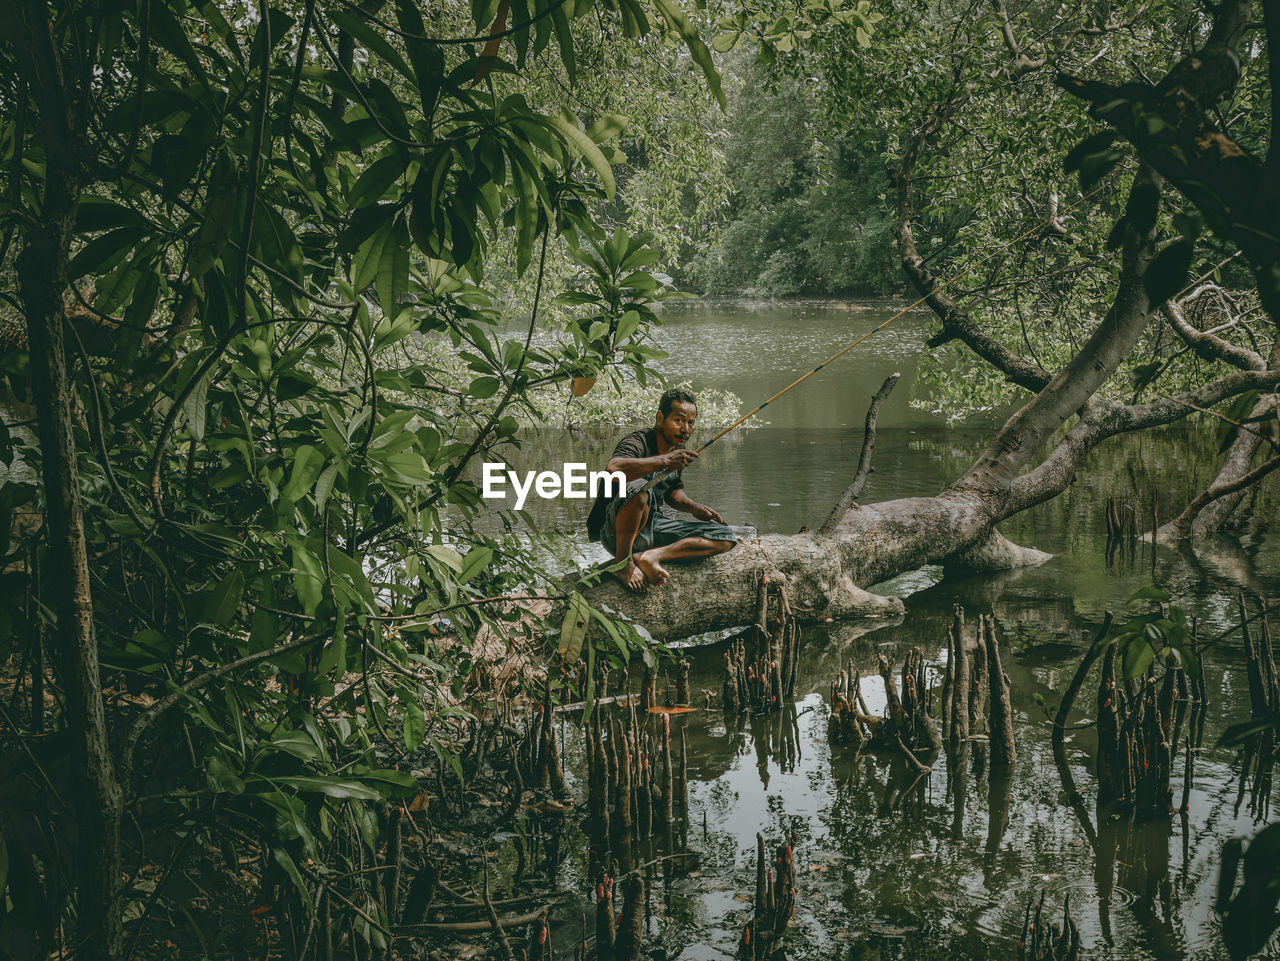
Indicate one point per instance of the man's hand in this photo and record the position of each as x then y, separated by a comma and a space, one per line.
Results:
677, 459
704, 513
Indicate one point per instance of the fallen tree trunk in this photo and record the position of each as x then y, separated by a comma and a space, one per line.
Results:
823, 574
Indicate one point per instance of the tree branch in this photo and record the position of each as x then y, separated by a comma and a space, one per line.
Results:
1073, 386
1182, 524
1208, 346
956, 324
1103, 420
1173, 127
850, 495
151, 714
1021, 62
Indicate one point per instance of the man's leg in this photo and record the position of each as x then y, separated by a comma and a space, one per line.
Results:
629, 522
686, 549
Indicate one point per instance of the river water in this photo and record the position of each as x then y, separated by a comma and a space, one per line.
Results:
889, 866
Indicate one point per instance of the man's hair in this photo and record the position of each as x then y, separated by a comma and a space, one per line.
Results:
671, 396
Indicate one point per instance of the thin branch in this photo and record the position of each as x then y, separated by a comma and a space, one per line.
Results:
494, 923
1182, 524
850, 496
1107, 347
1103, 419
151, 714
1208, 346
1021, 62
99, 438
956, 324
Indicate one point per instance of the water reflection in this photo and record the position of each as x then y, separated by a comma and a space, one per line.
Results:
941, 864
892, 863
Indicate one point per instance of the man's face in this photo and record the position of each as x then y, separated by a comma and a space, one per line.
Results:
677, 426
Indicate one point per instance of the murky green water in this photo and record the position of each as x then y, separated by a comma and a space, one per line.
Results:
889, 865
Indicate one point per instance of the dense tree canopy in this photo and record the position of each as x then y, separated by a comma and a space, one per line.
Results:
240, 239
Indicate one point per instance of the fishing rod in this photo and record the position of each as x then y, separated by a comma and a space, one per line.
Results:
657, 478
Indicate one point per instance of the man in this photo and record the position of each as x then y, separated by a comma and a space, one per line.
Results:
633, 527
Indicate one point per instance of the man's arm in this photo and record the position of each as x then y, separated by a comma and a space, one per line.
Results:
681, 502
636, 467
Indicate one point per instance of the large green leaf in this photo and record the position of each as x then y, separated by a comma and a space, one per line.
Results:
332, 786
586, 148
674, 16
573, 629
393, 268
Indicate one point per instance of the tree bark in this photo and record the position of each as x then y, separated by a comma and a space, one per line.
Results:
99, 800
42, 279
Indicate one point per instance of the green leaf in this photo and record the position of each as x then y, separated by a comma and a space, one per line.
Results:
376, 180
224, 600
483, 387
1238, 734
564, 39
222, 780
726, 40
627, 325
446, 555
389, 782
415, 724
1139, 653
334, 655
393, 268
350, 572
286, 862
308, 578
307, 463
573, 629
368, 256
477, 560
697, 49
297, 743
215, 229
103, 253
585, 147
607, 127
332, 786
196, 408
324, 485
482, 12
374, 39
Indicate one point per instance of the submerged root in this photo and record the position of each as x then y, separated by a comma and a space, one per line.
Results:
775, 903
1046, 941
760, 665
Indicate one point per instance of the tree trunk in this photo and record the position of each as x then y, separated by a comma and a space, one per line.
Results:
99, 800
42, 280
870, 544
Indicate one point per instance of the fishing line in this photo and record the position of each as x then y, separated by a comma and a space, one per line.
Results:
872, 332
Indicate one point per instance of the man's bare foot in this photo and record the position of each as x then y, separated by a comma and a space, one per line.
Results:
631, 577
654, 572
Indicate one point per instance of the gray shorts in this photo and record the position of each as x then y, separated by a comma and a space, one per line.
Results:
659, 530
